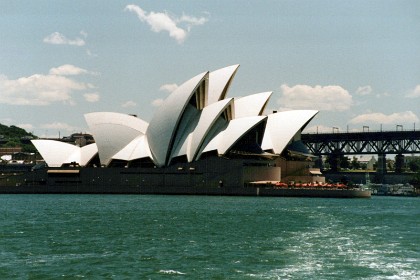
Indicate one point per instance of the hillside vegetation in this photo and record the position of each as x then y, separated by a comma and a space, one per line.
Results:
13, 136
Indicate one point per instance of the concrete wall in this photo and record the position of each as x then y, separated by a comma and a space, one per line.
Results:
261, 173
294, 168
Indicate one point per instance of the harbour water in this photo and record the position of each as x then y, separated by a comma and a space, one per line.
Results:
199, 237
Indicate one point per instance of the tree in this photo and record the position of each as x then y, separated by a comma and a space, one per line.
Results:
344, 162
414, 164
337, 161
355, 163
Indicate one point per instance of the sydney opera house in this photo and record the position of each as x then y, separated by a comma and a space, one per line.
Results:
199, 138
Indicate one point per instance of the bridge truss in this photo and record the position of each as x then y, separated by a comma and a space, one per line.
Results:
359, 143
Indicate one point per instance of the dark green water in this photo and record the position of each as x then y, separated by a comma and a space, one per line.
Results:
197, 237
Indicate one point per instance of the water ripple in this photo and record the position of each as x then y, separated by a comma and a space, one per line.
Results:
189, 237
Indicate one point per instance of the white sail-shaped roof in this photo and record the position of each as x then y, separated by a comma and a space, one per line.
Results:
282, 126
196, 118
164, 126
251, 105
186, 127
211, 140
56, 153
207, 119
219, 83
233, 133
113, 131
136, 149
84, 154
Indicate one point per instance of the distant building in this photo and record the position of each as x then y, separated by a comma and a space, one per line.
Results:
369, 161
24, 157
10, 150
79, 139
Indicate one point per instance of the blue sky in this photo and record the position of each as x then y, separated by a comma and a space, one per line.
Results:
358, 62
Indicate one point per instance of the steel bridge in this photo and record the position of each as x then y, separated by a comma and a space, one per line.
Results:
380, 143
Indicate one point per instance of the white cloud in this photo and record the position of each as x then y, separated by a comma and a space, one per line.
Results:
380, 118
91, 97
193, 20
162, 21
157, 102
40, 89
414, 93
129, 104
57, 38
365, 90
325, 98
7, 121
70, 70
83, 33
59, 126
90, 53
67, 70
168, 87
26, 126
382, 95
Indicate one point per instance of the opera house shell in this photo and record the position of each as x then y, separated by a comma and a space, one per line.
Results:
198, 137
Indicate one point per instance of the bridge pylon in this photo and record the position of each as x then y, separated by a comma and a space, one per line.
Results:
399, 163
381, 168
